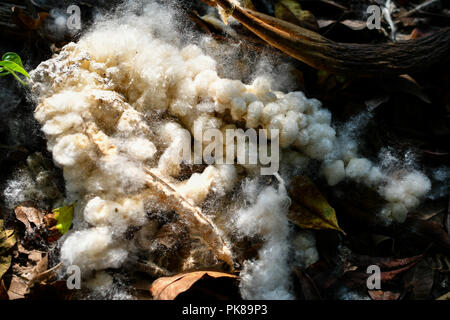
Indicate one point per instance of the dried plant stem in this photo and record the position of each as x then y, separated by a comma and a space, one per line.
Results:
360, 60
190, 213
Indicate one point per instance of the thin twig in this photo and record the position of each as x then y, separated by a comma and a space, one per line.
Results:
418, 8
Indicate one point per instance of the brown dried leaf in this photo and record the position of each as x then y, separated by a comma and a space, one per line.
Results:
24, 276
24, 20
383, 295
308, 288
426, 214
422, 280
384, 263
389, 275
168, 288
428, 231
18, 288
28, 215
325, 274
357, 279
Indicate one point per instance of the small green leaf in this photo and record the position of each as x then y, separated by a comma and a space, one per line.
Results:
64, 217
9, 65
13, 57
15, 76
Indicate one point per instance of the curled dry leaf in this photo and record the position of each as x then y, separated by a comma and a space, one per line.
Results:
310, 209
389, 275
27, 215
25, 274
18, 288
352, 272
357, 279
168, 288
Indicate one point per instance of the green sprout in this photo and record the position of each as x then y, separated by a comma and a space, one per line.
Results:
10, 64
